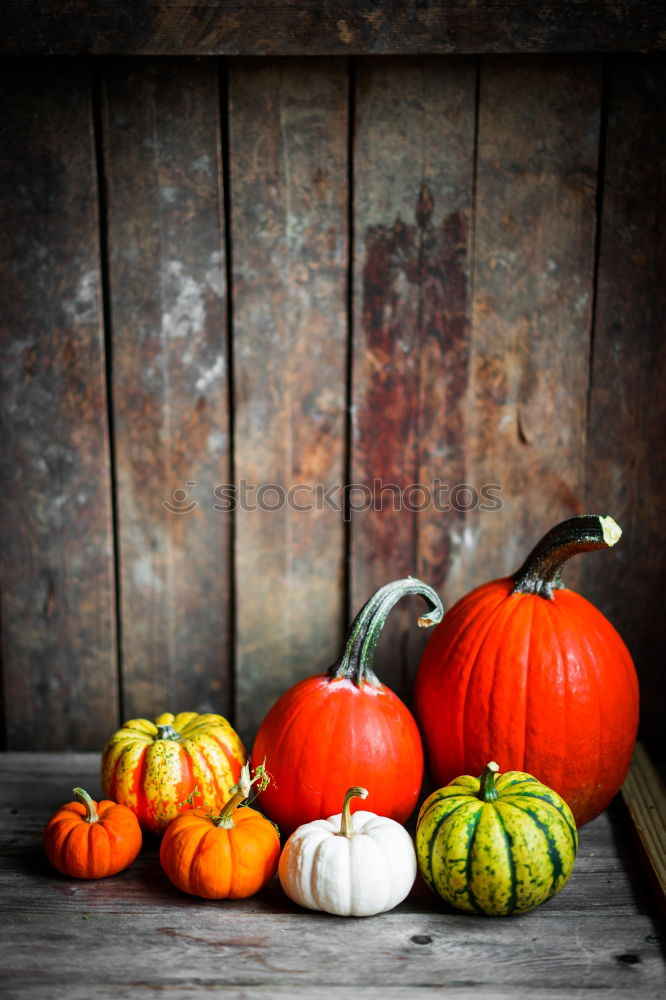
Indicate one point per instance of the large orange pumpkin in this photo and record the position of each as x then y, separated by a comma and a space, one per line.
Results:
344, 728
532, 673
89, 839
159, 768
226, 856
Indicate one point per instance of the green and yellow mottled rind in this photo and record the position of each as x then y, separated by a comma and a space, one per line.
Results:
500, 857
156, 777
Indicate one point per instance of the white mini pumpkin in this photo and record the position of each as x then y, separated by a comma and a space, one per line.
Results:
350, 865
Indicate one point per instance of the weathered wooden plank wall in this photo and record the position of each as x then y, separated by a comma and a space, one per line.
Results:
318, 273
413, 187
169, 380
329, 27
626, 455
534, 237
288, 163
59, 662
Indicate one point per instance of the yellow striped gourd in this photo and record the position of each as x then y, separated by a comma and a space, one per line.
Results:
498, 844
160, 768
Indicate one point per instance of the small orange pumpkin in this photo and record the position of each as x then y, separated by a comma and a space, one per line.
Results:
229, 856
91, 839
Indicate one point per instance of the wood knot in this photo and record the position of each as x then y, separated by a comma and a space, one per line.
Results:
425, 206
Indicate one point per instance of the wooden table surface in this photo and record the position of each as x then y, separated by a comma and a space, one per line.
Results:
135, 935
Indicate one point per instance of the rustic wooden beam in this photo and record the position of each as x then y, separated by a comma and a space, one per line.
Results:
413, 189
288, 162
643, 794
626, 437
169, 358
325, 27
534, 240
59, 666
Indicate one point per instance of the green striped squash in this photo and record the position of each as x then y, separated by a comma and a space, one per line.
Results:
498, 844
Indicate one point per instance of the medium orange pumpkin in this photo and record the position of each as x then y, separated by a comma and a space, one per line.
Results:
229, 856
91, 839
528, 671
156, 767
344, 727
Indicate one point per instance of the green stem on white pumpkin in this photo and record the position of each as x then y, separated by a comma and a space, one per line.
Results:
346, 825
167, 732
541, 573
355, 664
487, 788
91, 813
238, 793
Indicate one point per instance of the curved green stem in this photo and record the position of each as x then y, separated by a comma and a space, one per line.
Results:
541, 572
346, 825
238, 794
355, 664
487, 790
167, 732
91, 813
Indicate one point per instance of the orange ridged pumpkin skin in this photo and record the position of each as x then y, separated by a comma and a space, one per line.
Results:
323, 734
344, 728
153, 767
220, 863
547, 686
92, 849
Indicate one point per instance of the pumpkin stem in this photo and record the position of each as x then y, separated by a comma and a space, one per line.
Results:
487, 790
167, 732
355, 664
239, 793
541, 573
346, 827
91, 813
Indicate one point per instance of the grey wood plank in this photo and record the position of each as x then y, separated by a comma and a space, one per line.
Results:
534, 241
304, 992
170, 382
645, 798
59, 662
625, 466
288, 162
145, 889
227, 945
413, 189
597, 937
314, 28
75, 991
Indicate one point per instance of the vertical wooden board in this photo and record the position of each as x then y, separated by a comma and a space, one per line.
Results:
288, 158
170, 382
626, 447
538, 137
413, 186
56, 549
